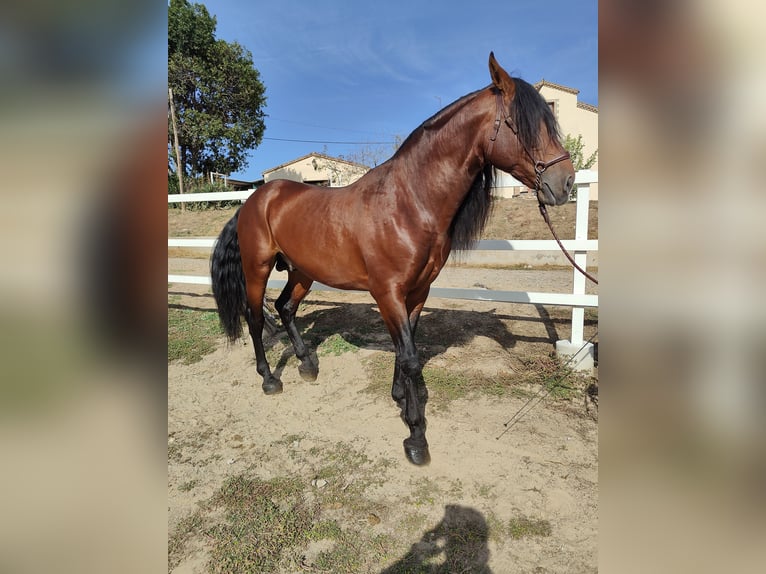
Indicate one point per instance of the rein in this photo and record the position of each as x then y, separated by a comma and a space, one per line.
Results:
544, 213
540, 167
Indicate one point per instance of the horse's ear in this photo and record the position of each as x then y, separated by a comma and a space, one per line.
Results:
500, 78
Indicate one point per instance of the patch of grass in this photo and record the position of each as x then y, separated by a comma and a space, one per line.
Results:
413, 522
175, 451
559, 388
336, 345
541, 376
380, 371
264, 519
456, 489
425, 492
445, 384
289, 439
449, 385
344, 556
187, 486
184, 531
558, 381
334, 331
550, 374
349, 473
192, 334
184, 449
290, 444
485, 490
325, 530
523, 527
256, 525
497, 530
351, 553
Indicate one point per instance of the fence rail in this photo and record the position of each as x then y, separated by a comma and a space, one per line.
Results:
483, 245
579, 247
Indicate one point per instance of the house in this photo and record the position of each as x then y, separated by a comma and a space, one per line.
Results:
318, 169
574, 117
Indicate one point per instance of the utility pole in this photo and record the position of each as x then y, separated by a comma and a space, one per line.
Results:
179, 165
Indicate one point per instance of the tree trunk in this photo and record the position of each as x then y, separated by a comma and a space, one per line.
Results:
179, 164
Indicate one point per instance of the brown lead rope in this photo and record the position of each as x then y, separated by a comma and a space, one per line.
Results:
544, 213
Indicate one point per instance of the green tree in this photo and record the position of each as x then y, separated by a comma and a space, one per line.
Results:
574, 146
217, 93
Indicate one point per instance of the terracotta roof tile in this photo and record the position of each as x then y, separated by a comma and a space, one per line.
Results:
545, 82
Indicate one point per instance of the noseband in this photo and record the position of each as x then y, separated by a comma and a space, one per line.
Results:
540, 167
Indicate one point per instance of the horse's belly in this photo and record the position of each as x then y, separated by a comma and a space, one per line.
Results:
335, 273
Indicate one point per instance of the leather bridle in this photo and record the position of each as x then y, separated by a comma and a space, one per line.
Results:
540, 167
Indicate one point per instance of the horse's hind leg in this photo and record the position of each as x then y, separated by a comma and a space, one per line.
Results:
297, 287
256, 287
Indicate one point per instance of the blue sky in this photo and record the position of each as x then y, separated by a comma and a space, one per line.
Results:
353, 71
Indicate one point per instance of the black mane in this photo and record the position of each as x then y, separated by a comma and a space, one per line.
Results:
528, 110
474, 212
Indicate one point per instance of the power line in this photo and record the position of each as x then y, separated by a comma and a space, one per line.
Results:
327, 142
334, 128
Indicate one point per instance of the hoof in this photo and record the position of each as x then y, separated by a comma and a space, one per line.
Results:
417, 454
272, 386
308, 371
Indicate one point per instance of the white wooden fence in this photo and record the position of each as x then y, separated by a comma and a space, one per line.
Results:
579, 247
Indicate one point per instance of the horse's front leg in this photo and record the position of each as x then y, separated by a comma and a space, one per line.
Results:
408, 389
415, 303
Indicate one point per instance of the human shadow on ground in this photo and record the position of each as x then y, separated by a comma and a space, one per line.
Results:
457, 544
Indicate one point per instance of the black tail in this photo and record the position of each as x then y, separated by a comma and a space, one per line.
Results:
229, 280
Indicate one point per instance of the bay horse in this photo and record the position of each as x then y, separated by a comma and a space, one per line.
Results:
391, 231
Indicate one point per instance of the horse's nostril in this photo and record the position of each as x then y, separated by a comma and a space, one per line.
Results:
569, 183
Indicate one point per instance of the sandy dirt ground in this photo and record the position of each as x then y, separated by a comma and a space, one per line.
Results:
543, 467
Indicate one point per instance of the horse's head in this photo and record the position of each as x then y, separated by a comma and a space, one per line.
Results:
524, 139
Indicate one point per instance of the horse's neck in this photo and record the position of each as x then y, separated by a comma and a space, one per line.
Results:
444, 161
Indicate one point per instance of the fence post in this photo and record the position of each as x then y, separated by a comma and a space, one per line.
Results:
582, 354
